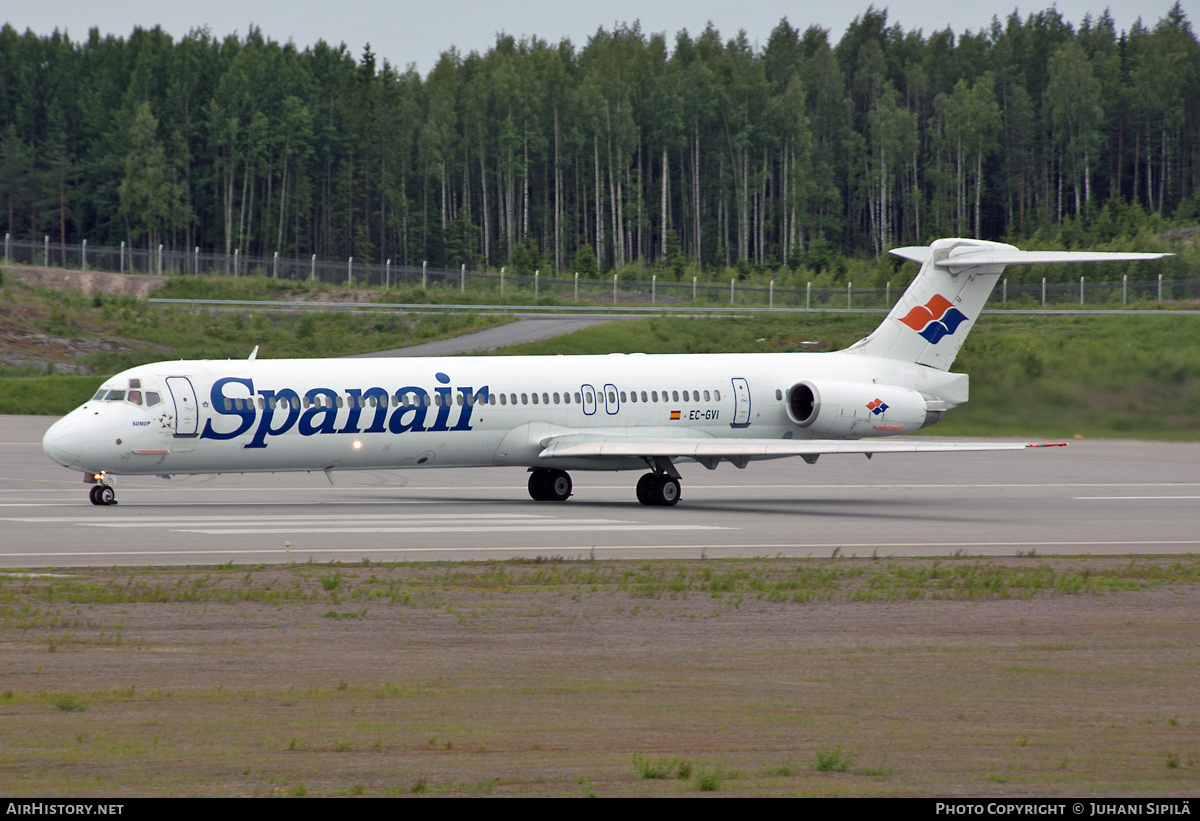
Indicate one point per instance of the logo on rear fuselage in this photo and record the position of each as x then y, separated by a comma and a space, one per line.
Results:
274, 412
935, 319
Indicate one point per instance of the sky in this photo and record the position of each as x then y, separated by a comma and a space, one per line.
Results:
408, 32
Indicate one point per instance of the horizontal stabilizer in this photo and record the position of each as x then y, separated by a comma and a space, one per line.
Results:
584, 446
956, 263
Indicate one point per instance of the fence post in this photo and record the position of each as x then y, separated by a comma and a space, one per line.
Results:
887, 294
312, 268
576, 286
536, 274
424, 263
387, 274
771, 294
84, 255
849, 285
1004, 291
1124, 286
236, 255
653, 288
1081, 292
614, 289
808, 295
160, 259
731, 289
6, 238
122, 266
1043, 292
462, 279
350, 271
502, 284
693, 289
46, 253
275, 267
1160, 287
196, 261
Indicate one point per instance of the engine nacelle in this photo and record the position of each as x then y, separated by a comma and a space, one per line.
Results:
858, 409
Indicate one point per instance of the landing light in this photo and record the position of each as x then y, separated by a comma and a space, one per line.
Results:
357, 445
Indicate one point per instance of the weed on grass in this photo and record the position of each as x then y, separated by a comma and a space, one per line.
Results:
833, 760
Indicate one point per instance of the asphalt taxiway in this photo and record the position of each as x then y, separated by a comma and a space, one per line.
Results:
1094, 497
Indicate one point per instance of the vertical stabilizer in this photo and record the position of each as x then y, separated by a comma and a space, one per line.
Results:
932, 319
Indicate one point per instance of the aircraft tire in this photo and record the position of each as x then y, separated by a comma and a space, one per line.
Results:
107, 495
557, 486
94, 495
666, 491
539, 485
645, 487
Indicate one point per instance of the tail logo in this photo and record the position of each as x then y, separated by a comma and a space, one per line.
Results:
935, 319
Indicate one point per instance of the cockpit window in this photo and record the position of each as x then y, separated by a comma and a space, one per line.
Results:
152, 398
99, 394
115, 396
134, 397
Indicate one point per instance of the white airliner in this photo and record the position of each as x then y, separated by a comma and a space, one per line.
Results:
554, 413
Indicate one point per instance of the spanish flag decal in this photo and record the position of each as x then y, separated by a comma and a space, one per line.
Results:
674, 415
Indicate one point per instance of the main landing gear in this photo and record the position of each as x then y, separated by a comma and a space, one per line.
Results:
103, 495
549, 485
658, 489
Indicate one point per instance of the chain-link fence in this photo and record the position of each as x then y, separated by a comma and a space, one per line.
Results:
609, 289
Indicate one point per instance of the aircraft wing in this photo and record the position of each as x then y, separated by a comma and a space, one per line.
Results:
710, 450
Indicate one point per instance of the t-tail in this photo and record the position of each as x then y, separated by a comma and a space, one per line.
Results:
930, 322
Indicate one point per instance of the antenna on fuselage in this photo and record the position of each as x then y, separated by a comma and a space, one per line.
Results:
254, 353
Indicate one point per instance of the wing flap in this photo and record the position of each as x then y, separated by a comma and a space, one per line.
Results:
582, 446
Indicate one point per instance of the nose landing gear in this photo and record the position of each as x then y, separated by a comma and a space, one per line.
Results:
103, 495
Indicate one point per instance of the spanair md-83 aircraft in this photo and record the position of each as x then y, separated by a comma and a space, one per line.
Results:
553, 414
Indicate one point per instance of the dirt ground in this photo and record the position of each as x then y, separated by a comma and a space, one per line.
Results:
458, 679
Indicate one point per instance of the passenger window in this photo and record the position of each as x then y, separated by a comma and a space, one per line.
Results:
556, 398
228, 403
578, 399
674, 396
504, 399
632, 396
524, 399
612, 396
545, 399
654, 396
707, 396
778, 393
717, 395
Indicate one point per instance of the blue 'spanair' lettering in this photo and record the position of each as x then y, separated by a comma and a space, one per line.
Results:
279, 411
245, 413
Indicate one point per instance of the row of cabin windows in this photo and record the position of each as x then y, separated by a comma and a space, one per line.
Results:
435, 400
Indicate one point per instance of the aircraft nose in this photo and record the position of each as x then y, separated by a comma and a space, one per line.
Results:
63, 443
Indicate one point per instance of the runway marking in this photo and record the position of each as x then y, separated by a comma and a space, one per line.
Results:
386, 523
1124, 498
359, 551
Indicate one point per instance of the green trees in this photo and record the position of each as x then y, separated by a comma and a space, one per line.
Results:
632, 148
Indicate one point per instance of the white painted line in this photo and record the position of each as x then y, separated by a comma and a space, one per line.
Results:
1127, 498
304, 551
